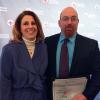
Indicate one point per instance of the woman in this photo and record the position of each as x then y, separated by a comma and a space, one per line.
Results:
24, 61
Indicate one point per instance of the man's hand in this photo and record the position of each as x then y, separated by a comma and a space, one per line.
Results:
79, 97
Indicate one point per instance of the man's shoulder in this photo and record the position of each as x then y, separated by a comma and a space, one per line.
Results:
52, 36
86, 39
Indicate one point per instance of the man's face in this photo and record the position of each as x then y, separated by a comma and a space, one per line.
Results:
69, 22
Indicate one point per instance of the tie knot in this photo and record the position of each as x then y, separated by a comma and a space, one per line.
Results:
65, 41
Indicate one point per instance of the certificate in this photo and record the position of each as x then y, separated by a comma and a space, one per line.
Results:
65, 89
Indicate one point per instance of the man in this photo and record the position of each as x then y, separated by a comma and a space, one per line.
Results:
84, 55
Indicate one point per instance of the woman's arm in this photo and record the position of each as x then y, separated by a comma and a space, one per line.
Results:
5, 74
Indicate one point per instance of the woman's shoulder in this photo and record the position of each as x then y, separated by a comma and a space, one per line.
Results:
10, 46
41, 44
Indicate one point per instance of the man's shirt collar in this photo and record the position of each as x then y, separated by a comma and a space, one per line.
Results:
71, 39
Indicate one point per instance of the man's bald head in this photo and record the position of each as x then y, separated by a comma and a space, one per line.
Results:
70, 11
68, 21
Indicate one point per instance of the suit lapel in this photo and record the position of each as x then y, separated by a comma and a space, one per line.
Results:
36, 59
75, 54
24, 59
54, 47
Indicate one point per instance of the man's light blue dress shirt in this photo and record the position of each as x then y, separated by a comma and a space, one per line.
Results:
70, 44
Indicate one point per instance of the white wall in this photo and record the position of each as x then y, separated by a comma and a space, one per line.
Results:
48, 12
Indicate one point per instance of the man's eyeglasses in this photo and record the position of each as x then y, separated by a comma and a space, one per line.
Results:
67, 18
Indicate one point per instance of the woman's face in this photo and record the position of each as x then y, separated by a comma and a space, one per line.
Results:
28, 27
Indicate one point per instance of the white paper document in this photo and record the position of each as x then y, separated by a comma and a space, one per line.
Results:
65, 89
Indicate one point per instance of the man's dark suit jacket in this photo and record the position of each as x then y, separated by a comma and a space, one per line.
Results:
85, 63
